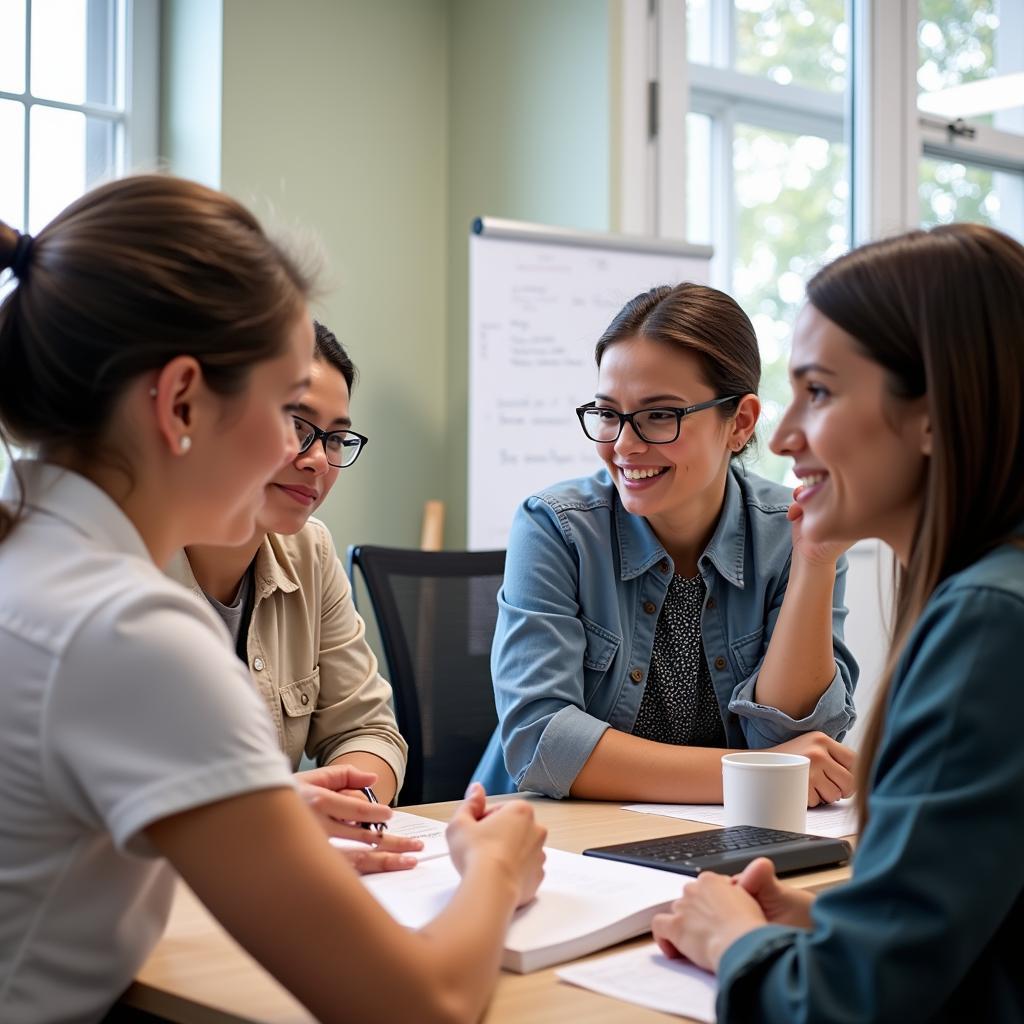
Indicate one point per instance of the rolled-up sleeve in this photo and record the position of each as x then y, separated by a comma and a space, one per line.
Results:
833, 714
927, 925
537, 659
354, 711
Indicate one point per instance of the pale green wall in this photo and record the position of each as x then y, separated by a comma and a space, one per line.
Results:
335, 118
529, 124
191, 45
385, 127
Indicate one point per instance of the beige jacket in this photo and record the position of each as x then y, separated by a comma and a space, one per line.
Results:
308, 653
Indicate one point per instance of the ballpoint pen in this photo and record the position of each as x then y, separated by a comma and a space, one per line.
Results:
378, 826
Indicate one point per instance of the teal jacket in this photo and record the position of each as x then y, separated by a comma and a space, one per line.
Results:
930, 927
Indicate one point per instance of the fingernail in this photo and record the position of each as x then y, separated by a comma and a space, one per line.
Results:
408, 862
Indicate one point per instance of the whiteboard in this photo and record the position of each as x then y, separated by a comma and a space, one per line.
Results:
539, 299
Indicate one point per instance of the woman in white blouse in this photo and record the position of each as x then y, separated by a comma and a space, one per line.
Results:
151, 355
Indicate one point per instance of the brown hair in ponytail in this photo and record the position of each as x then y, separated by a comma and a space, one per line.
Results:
131, 275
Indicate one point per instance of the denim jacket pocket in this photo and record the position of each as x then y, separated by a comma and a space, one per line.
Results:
601, 645
299, 699
747, 650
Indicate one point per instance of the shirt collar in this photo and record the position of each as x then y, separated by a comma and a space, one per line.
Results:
273, 570
77, 501
640, 549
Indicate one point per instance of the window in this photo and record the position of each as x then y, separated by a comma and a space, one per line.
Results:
78, 102
798, 126
970, 80
75, 108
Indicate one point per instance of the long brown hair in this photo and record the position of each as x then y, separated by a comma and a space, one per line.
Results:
942, 311
131, 275
704, 321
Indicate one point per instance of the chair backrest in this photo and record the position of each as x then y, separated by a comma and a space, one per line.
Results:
436, 612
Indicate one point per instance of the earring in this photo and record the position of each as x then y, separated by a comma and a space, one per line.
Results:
184, 445
152, 392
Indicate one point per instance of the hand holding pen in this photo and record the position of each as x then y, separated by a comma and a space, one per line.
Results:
337, 795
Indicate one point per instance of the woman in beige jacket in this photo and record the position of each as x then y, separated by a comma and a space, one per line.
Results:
287, 603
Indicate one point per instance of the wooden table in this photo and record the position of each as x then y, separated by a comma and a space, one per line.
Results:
199, 975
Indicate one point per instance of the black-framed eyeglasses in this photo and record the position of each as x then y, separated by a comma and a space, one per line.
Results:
342, 447
655, 426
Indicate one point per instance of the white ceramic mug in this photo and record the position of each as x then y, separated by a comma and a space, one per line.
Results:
764, 788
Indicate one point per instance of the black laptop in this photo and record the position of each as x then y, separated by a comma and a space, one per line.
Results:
729, 850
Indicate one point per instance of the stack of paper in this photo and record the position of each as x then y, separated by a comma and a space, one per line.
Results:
583, 905
645, 977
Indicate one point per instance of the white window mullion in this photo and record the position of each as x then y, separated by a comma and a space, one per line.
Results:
673, 102
723, 198
887, 144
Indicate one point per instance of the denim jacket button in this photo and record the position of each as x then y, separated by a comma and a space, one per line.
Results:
650, 607
719, 663
663, 565
637, 675
711, 602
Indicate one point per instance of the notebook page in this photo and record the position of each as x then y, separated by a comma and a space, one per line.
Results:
414, 826
647, 978
580, 896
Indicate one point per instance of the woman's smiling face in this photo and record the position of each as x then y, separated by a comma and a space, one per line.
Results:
859, 451
655, 480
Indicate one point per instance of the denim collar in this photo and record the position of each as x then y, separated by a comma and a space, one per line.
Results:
640, 549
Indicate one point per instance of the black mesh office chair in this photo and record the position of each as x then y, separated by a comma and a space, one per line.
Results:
436, 612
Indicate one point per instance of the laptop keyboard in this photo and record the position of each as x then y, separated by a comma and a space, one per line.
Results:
706, 844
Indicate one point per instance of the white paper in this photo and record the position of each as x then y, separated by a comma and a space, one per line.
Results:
648, 978
834, 820
413, 826
579, 897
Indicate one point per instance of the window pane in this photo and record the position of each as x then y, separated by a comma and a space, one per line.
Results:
698, 178
12, 46
12, 166
74, 51
792, 194
951, 190
802, 42
698, 30
68, 154
971, 61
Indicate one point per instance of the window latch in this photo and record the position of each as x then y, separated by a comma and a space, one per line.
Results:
961, 129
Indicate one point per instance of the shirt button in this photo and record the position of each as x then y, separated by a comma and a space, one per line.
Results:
719, 663
650, 607
257, 664
304, 698
663, 566
711, 602
637, 675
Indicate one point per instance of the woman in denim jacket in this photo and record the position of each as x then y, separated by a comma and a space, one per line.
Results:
668, 608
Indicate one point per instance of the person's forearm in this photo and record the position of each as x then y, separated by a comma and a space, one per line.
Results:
386, 784
626, 767
800, 661
467, 938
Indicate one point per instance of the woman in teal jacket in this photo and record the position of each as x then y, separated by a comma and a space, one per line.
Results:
908, 425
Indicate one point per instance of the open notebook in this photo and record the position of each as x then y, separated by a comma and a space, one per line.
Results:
583, 905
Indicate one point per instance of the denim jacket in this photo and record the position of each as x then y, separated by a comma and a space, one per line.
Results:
584, 584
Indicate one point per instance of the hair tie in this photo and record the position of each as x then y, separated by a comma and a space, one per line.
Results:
22, 253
